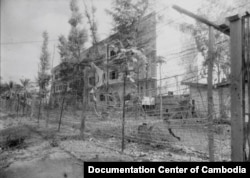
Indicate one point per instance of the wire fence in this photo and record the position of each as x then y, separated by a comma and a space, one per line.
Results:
175, 122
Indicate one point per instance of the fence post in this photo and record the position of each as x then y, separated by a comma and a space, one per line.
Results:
237, 124
210, 95
123, 112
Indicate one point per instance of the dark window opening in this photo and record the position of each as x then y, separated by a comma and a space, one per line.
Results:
113, 75
127, 97
112, 53
102, 97
92, 81
170, 93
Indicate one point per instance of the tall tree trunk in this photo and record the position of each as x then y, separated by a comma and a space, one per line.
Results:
39, 110
47, 109
32, 106
49, 105
84, 103
17, 110
23, 105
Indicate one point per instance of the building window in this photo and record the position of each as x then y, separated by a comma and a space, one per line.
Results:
112, 53
92, 81
113, 75
128, 97
170, 93
102, 97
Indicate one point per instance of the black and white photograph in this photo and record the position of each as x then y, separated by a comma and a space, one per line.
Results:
128, 81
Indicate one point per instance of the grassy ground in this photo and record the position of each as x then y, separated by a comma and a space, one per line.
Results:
63, 152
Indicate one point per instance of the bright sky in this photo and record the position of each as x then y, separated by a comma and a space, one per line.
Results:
22, 24
23, 21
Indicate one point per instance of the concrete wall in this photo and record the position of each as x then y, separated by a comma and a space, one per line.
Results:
221, 104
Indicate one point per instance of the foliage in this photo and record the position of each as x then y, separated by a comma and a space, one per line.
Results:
90, 15
4, 87
10, 87
70, 49
200, 34
63, 48
77, 36
43, 72
126, 15
44, 58
25, 83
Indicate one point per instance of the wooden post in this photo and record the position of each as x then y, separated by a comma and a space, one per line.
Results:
61, 112
210, 95
237, 124
123, 112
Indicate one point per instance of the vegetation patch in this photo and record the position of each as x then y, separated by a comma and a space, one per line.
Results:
13, 137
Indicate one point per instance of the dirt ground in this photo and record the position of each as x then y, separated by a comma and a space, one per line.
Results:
62, 153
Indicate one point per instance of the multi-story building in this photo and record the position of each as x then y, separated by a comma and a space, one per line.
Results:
108, 79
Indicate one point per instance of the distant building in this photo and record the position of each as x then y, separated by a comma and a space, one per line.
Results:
111, 76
